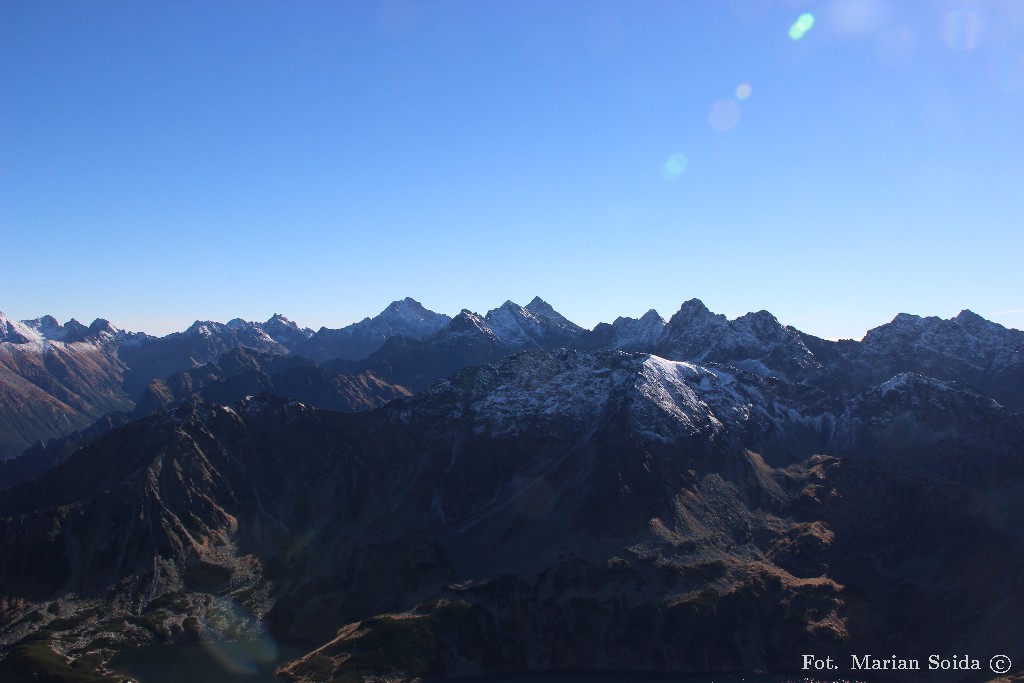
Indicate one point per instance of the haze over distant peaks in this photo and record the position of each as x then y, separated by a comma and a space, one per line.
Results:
102, 369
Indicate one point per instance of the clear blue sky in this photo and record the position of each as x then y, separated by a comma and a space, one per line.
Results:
167, 161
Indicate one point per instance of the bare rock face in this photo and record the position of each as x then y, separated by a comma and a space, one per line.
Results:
554, 510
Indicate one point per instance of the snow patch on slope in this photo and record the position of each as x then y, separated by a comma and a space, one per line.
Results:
565, 384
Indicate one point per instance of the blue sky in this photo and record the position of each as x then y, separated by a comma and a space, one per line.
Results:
163, 162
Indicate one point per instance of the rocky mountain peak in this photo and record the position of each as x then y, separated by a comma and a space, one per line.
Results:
633, 334
512, 306
102, 325
48, 326
202, 328
967, 315
761, 323
538, 305
406, 310
408, 318
285, 332
977, 325
692, 329
543, 310
404, 318
529, 328
76, 331
467, 320
16, 332
694, 309
404, 306
693, 315
100, 328
906, 318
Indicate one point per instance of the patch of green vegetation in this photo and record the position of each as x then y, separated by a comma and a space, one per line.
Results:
36, 663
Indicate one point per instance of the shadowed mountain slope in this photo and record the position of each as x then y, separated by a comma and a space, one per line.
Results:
553, 510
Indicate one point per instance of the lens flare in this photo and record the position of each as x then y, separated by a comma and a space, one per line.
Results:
742, 91
235, 639
962, 30
674, 166
724, 115
802, 25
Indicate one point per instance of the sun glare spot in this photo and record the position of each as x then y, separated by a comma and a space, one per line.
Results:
742, 91
801, 26
962, 30
674, 166
724, 115
236, 640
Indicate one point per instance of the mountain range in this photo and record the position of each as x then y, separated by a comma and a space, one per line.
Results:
510, 492
56, 379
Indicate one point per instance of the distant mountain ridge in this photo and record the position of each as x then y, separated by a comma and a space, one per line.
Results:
57, 378
406, 318
243, 372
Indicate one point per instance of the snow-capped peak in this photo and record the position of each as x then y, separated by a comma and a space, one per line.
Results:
407, 318
202, 328
466, 322
637, 334
49, 327
405, 309
510, 322
541, 307
977, 325
531, 327
278, 319
16, 332
669, 386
